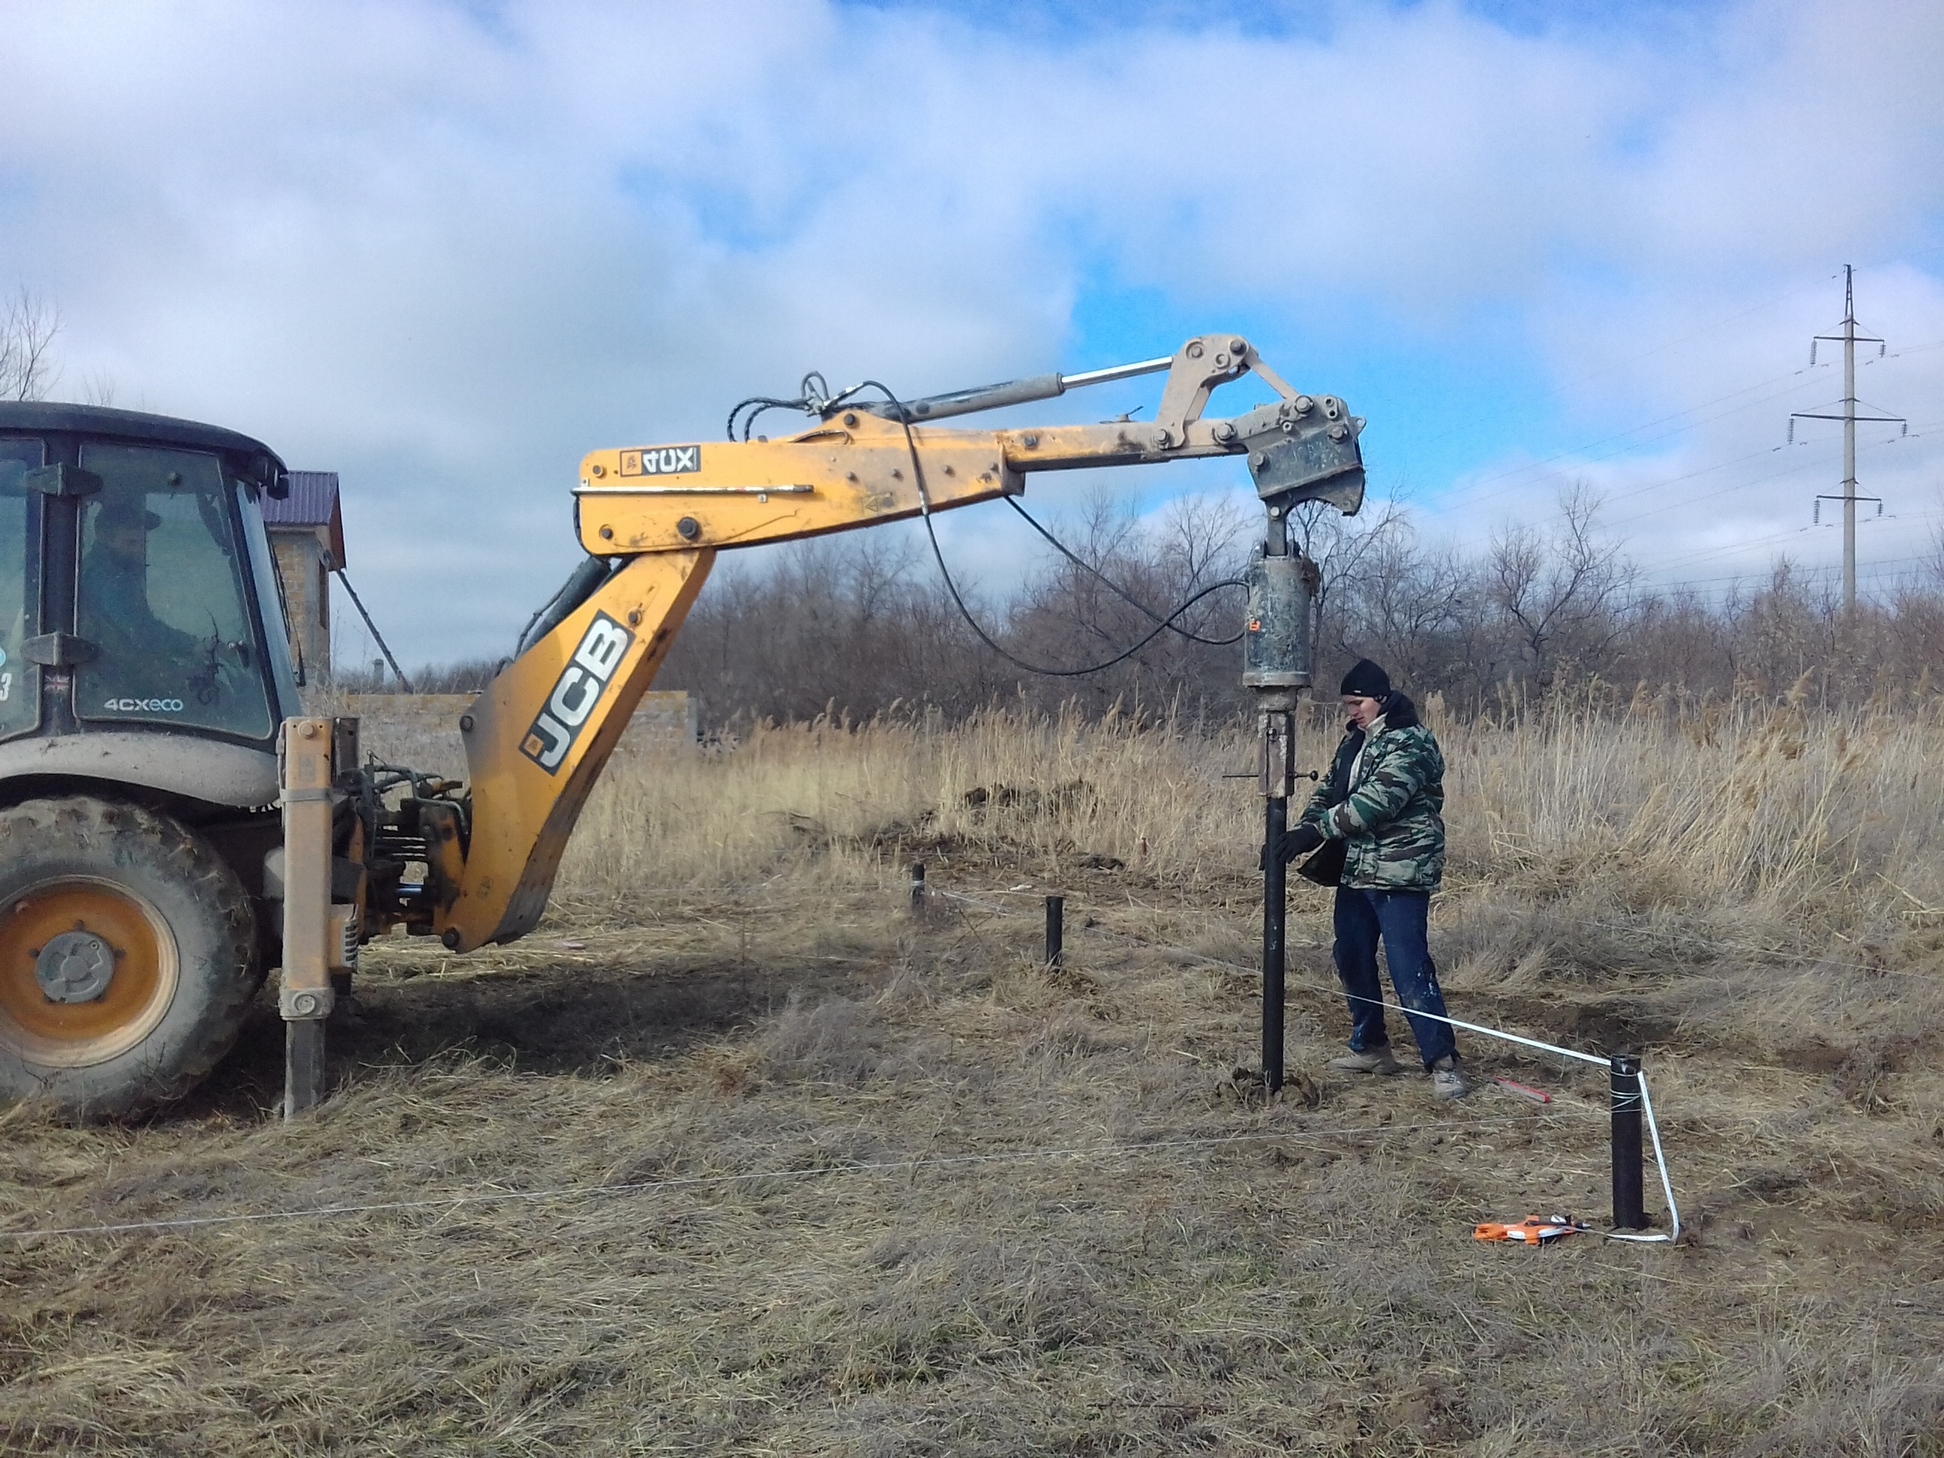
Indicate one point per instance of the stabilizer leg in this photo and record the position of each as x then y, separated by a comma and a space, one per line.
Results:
303, 1066
304, 994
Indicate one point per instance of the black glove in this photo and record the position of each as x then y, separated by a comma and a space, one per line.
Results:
1298, 842
1301, 841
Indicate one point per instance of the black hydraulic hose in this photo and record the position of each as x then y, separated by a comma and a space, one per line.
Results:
577, 589
1120, 592
925, 512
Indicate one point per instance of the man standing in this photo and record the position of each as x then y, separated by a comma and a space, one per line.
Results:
1383, 800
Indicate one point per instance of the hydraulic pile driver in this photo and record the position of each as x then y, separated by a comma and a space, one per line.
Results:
175, 823
1276, 647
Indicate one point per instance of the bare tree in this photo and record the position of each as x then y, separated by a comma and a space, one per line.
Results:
1410, 605
1561, 593
864, 622
1341, 547
99, 389
27, 329
1204, 538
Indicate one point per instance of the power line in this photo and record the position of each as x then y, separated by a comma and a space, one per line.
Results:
1709, 496
1578, 451
1685, 338
1579, 379
1724, 491
1473, 496
1664, 482
1865, 570
1795, 532
1731, 547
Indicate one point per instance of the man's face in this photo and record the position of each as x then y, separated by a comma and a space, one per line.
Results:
125, 539
1363, 712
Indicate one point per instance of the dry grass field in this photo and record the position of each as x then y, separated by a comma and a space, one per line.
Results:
735, 1155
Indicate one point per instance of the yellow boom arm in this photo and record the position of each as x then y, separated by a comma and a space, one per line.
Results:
538, 736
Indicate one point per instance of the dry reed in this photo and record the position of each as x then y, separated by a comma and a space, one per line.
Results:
730, 994
1750, 812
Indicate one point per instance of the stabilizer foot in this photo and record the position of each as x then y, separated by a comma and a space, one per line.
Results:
303, 1066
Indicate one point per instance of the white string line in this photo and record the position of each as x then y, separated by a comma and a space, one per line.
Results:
1707, 942
581, 1192
1653, 1125
1647, 1106
1646, 1103
1480, 1028
1409, 1013
910, 1165
973, 900
1781, 954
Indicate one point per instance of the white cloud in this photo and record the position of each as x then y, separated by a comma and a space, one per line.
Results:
447, 250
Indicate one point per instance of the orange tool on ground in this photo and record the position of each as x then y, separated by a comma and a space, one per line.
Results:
1534, 1230
1524, 1090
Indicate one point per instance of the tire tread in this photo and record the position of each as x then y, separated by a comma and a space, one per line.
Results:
50, 830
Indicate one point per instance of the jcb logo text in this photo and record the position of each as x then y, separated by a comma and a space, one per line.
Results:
576, 692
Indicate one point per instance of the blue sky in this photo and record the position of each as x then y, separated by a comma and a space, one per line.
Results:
446, 248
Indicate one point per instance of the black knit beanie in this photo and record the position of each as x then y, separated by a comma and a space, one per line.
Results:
1366, 680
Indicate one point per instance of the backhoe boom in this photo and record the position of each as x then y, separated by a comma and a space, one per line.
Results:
538, 736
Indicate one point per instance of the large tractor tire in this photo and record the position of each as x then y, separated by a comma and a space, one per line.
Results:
126, 956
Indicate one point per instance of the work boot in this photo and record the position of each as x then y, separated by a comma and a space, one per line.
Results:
1371, 1060
1448, 1078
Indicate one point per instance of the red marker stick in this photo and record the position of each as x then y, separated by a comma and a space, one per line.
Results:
1524, 1090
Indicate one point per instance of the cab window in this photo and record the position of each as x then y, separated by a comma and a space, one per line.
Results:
19, 583
163, 596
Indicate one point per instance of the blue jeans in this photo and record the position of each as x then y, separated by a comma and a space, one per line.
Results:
1399, 917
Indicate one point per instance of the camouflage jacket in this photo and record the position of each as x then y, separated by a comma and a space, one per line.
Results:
1391, 818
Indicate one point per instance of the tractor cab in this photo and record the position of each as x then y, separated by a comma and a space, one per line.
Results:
144, 673
140, 616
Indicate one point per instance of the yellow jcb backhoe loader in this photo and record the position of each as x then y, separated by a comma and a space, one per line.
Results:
172, 824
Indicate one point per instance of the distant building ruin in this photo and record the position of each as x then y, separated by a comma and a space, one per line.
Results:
307, 538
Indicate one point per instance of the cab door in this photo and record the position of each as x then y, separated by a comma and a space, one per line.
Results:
163, 597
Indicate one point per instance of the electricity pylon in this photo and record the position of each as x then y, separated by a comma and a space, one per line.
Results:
1849, 339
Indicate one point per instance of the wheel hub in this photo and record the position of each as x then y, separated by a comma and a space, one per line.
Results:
88, 967
75, 966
